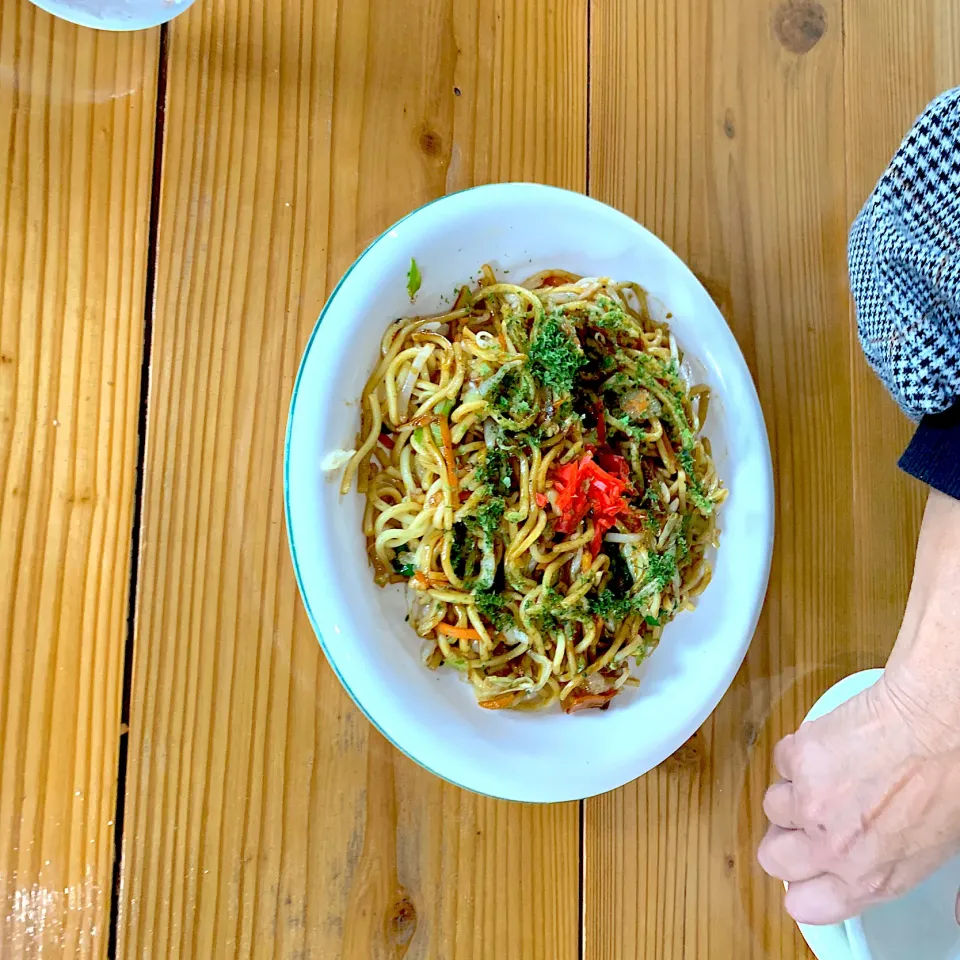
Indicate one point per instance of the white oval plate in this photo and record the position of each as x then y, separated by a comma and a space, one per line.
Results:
432, 716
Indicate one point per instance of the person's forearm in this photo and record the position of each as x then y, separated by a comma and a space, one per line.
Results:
923, 671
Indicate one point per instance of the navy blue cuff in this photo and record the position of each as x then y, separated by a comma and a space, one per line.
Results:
933, 455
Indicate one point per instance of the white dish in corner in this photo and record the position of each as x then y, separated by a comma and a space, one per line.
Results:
431, 716
115, 15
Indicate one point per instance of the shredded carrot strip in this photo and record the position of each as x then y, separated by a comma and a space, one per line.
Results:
434, 579
448, 455
462, 633
498, 702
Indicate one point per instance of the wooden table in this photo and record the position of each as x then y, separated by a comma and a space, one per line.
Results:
174, 207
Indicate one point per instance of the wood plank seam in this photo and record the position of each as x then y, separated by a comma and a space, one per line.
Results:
148, 306
586, 174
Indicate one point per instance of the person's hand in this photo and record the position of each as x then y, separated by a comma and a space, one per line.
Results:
866, 809
869, 804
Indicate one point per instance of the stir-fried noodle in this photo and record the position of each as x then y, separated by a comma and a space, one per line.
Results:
533, 470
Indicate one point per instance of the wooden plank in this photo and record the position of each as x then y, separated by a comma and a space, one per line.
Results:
77, 112
264, 816
720, 125
896, 60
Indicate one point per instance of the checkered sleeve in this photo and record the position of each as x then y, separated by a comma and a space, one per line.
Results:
905, 276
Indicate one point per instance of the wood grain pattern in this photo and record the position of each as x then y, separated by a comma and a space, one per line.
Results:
736, 156
264, 816
77, 115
